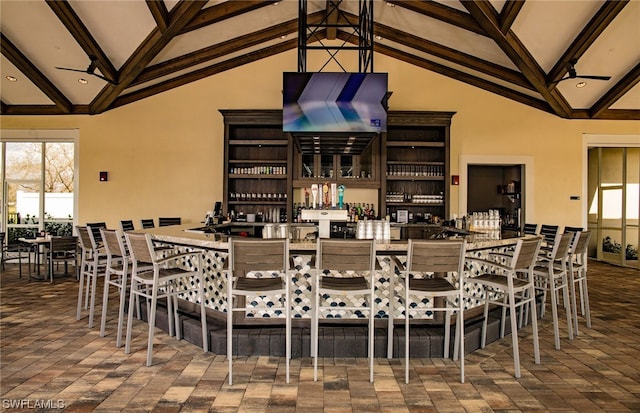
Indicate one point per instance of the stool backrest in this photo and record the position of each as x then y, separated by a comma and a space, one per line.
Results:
147, 223
251, 255
165, 222
84, 238
549, 232
561, 246
127, 225
530, 229
113, 242
346, 255
140, 248
526, 254
436, 255
94, 228
583, 243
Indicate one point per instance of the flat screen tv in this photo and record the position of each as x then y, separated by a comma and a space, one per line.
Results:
334, 102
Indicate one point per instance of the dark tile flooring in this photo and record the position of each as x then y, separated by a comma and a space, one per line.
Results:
48, 359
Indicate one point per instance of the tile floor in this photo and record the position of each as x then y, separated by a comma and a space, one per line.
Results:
50, 360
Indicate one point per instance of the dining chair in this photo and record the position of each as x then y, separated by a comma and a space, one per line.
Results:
551, 275
93, 263
429, 264
168, 279
510, 285
578, 275
62, 249
344, 268
257, 268
7, 248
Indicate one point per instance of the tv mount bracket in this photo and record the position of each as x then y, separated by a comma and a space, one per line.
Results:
336, 24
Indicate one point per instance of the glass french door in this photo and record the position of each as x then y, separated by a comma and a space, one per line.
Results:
614, 175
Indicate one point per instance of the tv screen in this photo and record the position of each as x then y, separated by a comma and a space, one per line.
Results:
334, 102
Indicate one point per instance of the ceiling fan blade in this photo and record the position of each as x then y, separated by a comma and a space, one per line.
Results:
594, 77
71, 70
87, 73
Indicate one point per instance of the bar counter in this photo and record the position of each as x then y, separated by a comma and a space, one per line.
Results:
388, 289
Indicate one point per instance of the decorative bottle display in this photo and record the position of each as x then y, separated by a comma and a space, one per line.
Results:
487, 223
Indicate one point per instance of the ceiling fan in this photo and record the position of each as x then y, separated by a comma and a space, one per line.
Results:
574, 75
90, 70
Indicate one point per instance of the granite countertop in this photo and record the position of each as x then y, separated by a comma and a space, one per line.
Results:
180, 234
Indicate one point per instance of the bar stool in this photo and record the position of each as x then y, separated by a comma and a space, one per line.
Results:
165, 222
147, 223
512, 289
551, 274
268, 260
437, 256
118, 264
549, 233
345, 256
126, 225
578, 275
164, 281
92, 264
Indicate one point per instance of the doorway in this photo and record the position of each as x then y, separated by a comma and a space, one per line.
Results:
614, 204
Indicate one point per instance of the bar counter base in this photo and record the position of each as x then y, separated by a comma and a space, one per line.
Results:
334, 341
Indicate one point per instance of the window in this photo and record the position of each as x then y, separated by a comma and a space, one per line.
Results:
38, 183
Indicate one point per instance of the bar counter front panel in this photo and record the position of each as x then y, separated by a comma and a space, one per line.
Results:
388, 285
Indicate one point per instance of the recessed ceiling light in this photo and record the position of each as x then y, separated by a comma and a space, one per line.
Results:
275, 3
378, 37
390, 4
83, 81
581, 84
11, 78
284, 36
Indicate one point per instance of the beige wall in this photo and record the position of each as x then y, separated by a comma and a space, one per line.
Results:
164, 154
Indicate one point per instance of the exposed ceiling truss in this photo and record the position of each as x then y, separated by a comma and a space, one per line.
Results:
142, 75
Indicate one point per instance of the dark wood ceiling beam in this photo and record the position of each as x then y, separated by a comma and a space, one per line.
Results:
222, 11
509, 13
221, 49
3, 107
180, 15
616, 92
487, 17
441, 12
591, 31
451, 55
45, 110
456, 74
160, 13
20, 61
332, 18
609, 114
206, 72
81, 34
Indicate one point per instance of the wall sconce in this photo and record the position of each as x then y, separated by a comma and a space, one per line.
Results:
104, 176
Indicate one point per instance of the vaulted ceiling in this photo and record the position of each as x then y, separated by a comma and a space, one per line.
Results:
517, 49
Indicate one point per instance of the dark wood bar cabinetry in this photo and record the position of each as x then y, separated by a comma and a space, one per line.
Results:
408, 165
257, 176
415, 153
